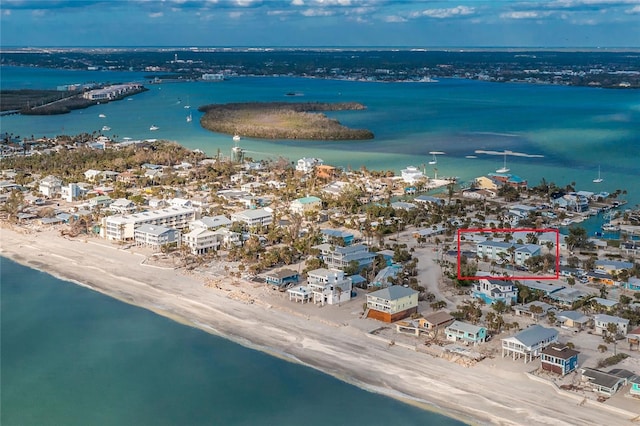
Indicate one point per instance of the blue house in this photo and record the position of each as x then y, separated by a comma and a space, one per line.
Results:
282, 278
492, 291
330, 235
465, 332
559, 359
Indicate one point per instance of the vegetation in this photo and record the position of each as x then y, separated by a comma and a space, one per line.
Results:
281, 120
612, 360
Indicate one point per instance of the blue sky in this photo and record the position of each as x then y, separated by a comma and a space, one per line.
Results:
341, 23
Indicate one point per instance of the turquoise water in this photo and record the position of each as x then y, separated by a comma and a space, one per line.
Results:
575, 129
71, 356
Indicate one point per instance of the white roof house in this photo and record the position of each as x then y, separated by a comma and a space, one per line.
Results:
601, 322
306, 165
210, 222
155, 236
253, 217
529, 342
202, 240
411, 174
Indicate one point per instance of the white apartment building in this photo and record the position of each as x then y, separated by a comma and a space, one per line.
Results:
329, 286
201, 241
155, 236
122, 228
253, 217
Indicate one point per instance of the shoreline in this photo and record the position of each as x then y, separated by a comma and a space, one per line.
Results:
478, 395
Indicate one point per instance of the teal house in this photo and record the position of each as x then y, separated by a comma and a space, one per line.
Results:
635, 385
467, 333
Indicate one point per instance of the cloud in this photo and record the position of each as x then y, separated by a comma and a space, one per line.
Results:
445, 13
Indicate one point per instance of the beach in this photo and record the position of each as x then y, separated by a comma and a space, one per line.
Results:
333, 339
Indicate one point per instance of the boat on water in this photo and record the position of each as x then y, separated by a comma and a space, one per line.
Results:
187, 106
599, 178
102, 116
504, 168
106, 128
236, 137
434, 153
189, 118
154, 127
609, 227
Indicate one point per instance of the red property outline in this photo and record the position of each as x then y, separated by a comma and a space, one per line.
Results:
533, 277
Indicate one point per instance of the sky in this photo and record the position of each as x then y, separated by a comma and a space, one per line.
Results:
320, 23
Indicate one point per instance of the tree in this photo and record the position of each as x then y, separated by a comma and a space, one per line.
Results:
577, 237
611, 335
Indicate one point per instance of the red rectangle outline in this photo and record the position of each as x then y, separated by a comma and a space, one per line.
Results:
504, 230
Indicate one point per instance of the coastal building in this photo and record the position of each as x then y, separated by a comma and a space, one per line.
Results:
100, 201
329, 286
598, 276
574, 320
301, 294
50, 186
479, 193
282, 278
633, 337
337, 237
305, 204
428, 199
486, 183
392, 303
210, 223
253, 217
491, 291
201, 241
121, 228
340, 257
535, 310
607, 383
559, 358
470, 334
306, 165
122, 206
411, 175
436, 320
108, 93
155, 236
501, 251
602, 321
635, 385
529, 343
228, 238
612, 266
385, 277
507, 179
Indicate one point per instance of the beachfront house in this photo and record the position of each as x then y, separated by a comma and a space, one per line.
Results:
155, 236
429, 323
300, 294
392, 303
470, 334
282, 278
341, 257
602, 321
50, 186
607, 383
122, 206
529, 343
559, 358
329, 286
201, 241
574, 320
491, 291
210, 223
535, 310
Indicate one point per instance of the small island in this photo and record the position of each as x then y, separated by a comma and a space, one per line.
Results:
281, 120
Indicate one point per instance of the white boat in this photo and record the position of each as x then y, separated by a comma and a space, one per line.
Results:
106, 128
154, 127
598, 179
236, 138
189, 118
187, 106
610, 227
434, 161
102, 116
504, 168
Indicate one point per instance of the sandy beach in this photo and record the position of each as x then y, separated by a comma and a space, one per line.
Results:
332, 339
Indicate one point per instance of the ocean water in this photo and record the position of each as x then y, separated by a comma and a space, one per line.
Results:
71, 356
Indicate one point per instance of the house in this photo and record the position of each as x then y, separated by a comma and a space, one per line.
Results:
428, 199
253, 217
612, 266
465, 332
155, 236
392, 303
491, 291
501, 251
535, 309
559, 358
282, 278
306, 204
335, 236
210, 222
606, 304
607, 383
99, 202
340, 257
635, 385
601, 322
228, 237
329, 286
50, 186
306, 165
301, 293
633, 337
122, 206
529, 343
632, 284
506, 179
574, 320
599, 276
201, 241
435, 320
411, 175
479, 193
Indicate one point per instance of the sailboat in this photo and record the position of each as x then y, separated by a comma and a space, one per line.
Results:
434, 161
504, 168
189, 118
187, 106
236, 138
598, 179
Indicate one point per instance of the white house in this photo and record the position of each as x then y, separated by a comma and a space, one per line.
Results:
305, 204
499, 250
253, 217
121, 228
411, 174
210, 222
329, 286
529, 342
306, 165
155, 236
122, 206
50, 186
601, 321
491, 291
202, 241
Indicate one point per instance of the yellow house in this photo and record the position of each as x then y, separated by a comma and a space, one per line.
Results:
484, 182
